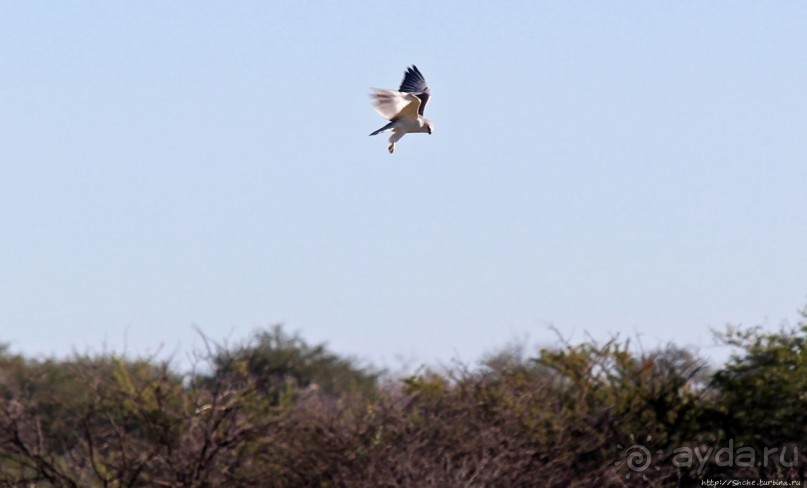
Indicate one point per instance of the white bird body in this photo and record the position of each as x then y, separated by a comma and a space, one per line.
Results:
404, 108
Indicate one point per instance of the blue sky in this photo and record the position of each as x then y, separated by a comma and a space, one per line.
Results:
602, 167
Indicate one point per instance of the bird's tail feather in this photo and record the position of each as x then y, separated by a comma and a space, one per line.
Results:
386, 127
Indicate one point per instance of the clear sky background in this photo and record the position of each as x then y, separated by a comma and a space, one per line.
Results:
603, 167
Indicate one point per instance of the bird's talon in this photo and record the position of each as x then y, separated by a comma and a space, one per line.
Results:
391, 148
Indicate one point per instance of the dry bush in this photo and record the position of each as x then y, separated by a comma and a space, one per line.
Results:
276, 412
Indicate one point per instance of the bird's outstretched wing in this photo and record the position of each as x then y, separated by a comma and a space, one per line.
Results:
414, 82
393, 105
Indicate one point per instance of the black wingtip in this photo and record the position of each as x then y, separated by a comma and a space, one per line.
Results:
413, 81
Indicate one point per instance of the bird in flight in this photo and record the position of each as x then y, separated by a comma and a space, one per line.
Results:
403, 108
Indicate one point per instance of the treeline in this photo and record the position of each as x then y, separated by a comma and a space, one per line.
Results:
275, 411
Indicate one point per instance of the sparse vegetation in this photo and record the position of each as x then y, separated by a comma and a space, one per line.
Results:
277, 412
